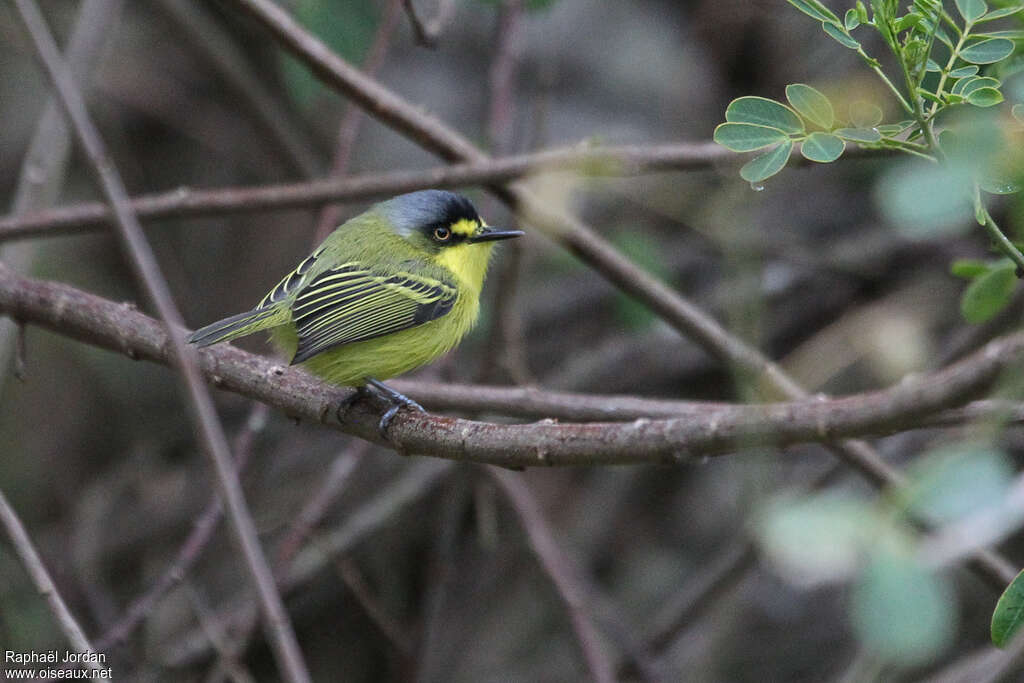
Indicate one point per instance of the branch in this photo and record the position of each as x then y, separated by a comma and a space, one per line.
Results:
707, 429
44, 584
624, 160
351, 122
190, 551
44, 165
561, 571
147, 272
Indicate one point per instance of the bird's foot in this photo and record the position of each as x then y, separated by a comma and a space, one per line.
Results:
396, 402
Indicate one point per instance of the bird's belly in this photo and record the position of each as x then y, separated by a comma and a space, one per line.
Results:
386, 356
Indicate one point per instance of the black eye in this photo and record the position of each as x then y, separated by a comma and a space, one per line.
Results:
442, 234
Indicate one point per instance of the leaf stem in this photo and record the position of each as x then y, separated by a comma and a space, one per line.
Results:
873, 63
949, 65
998, 236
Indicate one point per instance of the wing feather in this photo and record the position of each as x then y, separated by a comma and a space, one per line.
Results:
351, 303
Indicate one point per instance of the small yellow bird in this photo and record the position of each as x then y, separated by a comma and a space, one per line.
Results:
386, 292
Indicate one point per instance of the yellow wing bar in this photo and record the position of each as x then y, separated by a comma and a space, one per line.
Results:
351, 303
291, 281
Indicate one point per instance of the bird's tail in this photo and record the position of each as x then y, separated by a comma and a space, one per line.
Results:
238, 326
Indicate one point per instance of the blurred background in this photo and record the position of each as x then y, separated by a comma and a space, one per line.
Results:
431, 576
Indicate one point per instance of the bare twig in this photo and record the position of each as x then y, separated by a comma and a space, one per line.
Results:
395, 632
418, 29
147, 271
43, 168
44, 584
561, 571
418, 479
185, 202
505, 340
353, 118
316, 507
441, 579
199, 27
191, 549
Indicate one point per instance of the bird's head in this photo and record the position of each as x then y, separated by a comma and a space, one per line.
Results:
446, 227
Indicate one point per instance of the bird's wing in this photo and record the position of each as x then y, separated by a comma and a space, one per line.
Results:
352, 302
290, 282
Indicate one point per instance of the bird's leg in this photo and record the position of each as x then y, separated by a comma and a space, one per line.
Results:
397, 402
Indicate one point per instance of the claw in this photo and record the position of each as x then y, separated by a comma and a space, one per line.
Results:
397, 402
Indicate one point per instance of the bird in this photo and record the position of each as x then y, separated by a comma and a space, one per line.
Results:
388, 291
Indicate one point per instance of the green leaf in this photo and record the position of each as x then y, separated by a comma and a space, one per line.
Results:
964, 71
822, 147
1009, 35
985, 97
1008, 615
926, 200
956, 481
987, 51
999, 14
852, 19
762, 111
890, 129
969, 268
864, 114
768, 164
928, 95
815, 539
866, 135
994, 185
933, 66
959, 86
901, 612
971, 10
813, 8
839, 34
907, 21
980, 82
988, 294
746, 137
811, 104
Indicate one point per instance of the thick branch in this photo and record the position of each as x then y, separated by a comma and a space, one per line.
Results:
184, 202
702, 431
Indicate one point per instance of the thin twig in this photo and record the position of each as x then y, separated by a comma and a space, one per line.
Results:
423, 37
191, 550
44, 584
505, 343
318, 504
563, 574
388, 625
596, 160
352, 121
207, 37
42, 172
147, 272
421, 477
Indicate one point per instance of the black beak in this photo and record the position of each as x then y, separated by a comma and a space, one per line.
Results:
490, 235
